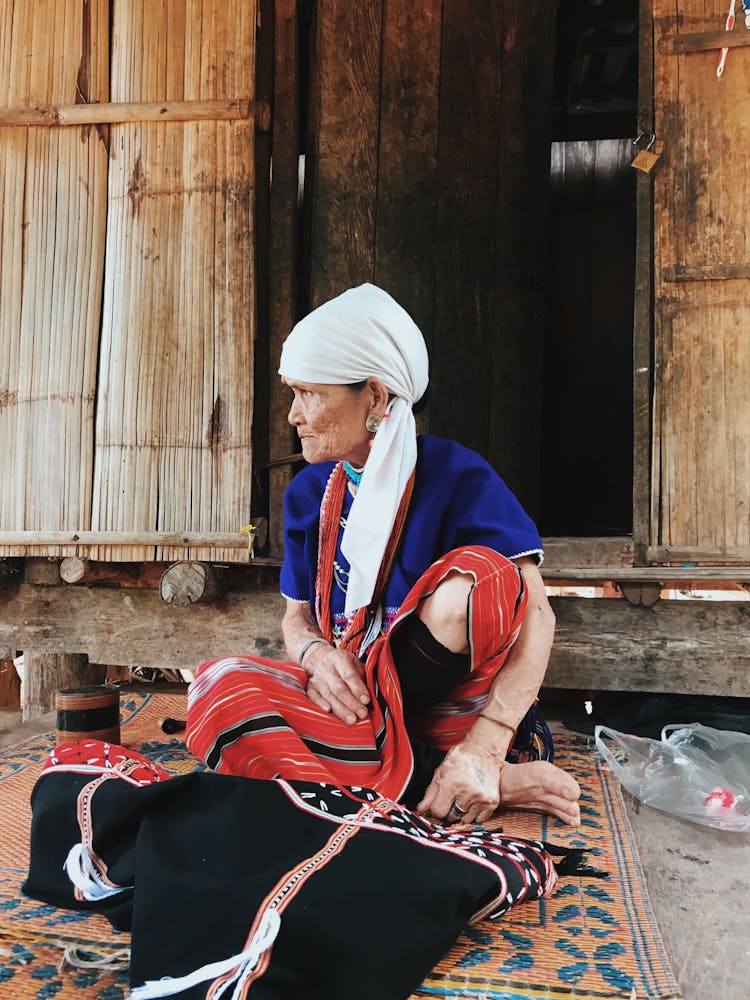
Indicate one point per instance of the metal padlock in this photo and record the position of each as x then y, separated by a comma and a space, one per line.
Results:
647, 158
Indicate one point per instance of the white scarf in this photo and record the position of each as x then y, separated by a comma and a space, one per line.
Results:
361, 334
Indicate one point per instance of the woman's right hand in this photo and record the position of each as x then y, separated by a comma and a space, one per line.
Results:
335, 683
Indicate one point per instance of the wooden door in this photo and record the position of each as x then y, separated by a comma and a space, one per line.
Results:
700, 508
427, 168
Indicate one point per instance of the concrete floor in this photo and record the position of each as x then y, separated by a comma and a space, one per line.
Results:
699, 884
698, 881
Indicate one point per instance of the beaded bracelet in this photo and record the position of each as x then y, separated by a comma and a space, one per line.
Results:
305, 645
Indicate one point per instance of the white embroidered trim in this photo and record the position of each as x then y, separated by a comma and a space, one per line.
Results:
530, 552
296, 600
85, 876
242, 966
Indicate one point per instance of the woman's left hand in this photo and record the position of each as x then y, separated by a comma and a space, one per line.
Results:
465, 788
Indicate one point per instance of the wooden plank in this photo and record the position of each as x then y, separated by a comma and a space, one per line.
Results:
687, 646
135, 626
283, 305
46, 673
701, 41
52, 224
264, 163
519, 244
342, 158
705, 424
682, 577
465, 319
720, 555
588, 552
690, 647
176, 539
174, 422
405, 252
108, 113
706, 272
701, 475
643, 316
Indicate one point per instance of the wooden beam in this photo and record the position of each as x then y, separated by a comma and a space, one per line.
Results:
128, 626
587, 552
711, 556
643, 316
283, 256
688, 646
706, 272
703, 41
128, 112
125, 539
691, 647
45, 673
680, 576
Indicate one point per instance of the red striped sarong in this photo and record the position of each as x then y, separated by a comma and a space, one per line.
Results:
252, 717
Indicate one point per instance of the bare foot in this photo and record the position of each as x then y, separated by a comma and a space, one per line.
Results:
540, 786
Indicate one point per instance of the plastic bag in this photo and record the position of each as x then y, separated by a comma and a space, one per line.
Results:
694, 772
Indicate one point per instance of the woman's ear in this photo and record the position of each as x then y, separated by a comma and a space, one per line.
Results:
379, 396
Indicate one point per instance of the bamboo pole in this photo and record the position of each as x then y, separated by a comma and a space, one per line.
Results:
179, 539
124, 112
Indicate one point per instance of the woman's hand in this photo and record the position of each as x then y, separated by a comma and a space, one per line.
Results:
335, 683
472, 780
465, 788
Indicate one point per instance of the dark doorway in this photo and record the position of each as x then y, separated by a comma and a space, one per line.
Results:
587, 432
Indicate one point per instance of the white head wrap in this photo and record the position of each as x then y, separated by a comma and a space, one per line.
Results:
364, 333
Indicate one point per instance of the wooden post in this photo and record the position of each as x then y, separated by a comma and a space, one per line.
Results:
190, 583
73, 569
283, 306
642, 332
46, 673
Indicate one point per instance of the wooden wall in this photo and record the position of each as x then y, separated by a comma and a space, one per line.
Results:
127, 268
427, 165
700, 509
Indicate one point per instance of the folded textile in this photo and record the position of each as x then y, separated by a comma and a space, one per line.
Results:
269, 889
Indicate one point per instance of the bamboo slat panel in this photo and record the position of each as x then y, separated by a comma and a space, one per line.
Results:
701, 478
52, 220
174, 416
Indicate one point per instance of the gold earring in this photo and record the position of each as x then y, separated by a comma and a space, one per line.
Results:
373, 422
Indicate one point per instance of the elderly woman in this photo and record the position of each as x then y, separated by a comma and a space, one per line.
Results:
417, 622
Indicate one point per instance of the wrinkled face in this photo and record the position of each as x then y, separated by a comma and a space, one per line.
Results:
330, 421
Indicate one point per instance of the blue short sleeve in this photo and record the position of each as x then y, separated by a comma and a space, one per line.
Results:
301, 518
471, 502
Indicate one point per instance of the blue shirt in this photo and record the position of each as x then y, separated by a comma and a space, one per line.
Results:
458, 500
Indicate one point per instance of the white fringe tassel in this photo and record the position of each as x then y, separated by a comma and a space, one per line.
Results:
243, 965
115, 961
85, 876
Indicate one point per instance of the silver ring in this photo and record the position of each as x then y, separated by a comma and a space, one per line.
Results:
456, 808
